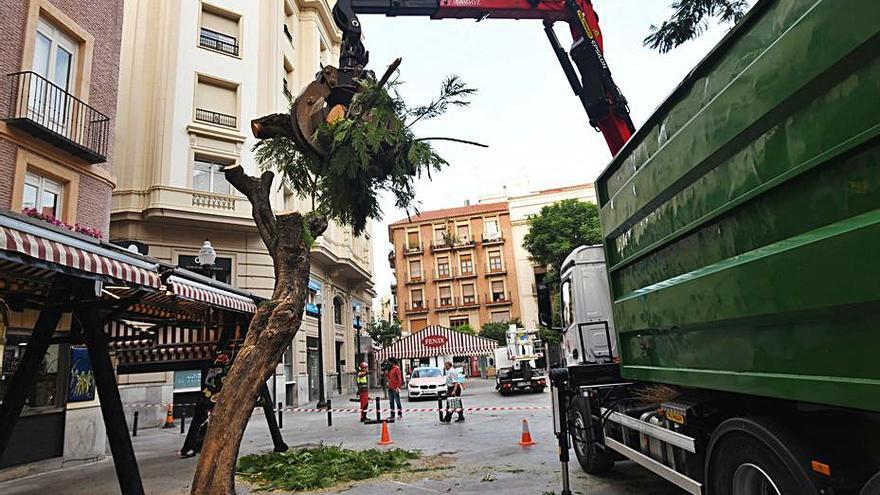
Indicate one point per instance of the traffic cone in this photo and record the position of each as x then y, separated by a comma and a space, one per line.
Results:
169, 418
386, 437
526, 438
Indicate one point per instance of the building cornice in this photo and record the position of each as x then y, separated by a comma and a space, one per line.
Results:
322, 7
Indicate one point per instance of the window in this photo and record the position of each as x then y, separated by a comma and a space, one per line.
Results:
417, 325
415, 270
458, 321
42, 194
216, 102
498, 291
463, 232
337, 310
441, 234
47, 387
221, 271
412, 240
443, 267
467, 264
468, 294
54, 54
445, 295
490, 229
208, 176
219, 31
495, 261
500, 316
417, 298
567, 307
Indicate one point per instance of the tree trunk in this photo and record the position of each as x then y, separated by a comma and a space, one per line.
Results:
272, 329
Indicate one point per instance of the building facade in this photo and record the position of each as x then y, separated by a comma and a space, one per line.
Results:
523, 205
193, 76
59, 69
455, 267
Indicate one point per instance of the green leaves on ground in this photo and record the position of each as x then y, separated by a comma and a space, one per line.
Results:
371, 149
320, 467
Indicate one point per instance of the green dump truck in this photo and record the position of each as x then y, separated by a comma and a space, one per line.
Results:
741, 230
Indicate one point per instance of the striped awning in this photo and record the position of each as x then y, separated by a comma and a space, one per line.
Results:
435, 340
134, 343
195, 291
56, 249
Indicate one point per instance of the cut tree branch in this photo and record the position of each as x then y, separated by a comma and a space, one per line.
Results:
456, 140
257, 191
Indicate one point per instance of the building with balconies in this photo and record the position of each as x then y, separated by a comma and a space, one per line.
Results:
193, 76
454, 266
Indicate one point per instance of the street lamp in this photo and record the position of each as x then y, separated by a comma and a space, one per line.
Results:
319, 301
205, 260
357, 326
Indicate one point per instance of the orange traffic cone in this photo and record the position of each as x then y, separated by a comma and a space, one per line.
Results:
169, 418
526, 438
386, 437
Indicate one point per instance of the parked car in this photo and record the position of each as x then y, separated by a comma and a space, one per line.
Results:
426, 381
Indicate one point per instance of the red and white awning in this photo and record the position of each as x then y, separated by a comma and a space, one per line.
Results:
86, 258
195, 291
435, 340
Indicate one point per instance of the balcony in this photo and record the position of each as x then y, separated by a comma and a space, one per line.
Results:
468, 302
467, 273
441, 245
498, 299
216, 118
492, 240
446, 303
218, 42
44, 110
413, 250
464, 243
414, 278
440, 275
417, 307
495, 270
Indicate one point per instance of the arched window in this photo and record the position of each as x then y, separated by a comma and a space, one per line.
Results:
337, 310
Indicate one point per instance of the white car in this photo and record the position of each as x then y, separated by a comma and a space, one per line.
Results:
426, 382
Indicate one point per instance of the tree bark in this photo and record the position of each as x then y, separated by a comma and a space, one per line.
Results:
271, 330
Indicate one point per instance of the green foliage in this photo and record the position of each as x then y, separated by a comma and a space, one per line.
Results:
497, 330
372, 149
321, 467
690, 19
384, 333
548, 336
466, 328
558, 230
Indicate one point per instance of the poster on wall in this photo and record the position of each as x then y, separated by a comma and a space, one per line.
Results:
82, 378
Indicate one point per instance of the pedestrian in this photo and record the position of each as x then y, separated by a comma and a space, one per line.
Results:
395, 382
363, 389
453, 394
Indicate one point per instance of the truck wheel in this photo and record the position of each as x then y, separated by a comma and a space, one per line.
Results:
872, 487
591, 459
748, 457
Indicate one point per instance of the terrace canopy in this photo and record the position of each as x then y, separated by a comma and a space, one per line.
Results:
435, 340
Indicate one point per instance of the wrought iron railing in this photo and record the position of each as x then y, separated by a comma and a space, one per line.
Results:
216, 118
213, 40
50, 112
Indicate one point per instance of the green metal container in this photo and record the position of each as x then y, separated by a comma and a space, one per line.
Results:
742, 221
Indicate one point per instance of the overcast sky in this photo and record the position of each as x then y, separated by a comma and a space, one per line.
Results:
525, 111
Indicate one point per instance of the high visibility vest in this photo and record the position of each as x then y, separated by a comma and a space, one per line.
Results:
362, 382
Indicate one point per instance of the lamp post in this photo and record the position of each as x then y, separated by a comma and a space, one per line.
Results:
206, 258
357, 326
319, 301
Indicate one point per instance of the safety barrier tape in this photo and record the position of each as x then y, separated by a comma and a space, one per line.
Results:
355, 410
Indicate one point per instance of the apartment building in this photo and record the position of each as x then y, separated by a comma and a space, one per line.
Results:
522, 204
454, 267
58, 83
193, 76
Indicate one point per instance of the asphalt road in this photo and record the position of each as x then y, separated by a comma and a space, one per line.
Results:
480, 455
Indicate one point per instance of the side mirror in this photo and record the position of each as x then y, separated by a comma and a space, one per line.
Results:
545, 307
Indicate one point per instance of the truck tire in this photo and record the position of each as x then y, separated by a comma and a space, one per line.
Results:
755, 457
591, 459
872, 487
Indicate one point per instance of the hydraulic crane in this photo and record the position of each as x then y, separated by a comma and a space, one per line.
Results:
605, 105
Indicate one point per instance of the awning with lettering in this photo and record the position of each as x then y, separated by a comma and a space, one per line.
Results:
435, 340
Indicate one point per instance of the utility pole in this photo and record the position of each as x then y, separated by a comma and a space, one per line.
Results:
319, 302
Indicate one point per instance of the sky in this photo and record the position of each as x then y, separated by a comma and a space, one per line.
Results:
524, 110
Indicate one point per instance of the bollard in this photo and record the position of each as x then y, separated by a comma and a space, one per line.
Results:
134, 425
280, 416
183, 420
378, 411
329, 412
440, 407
